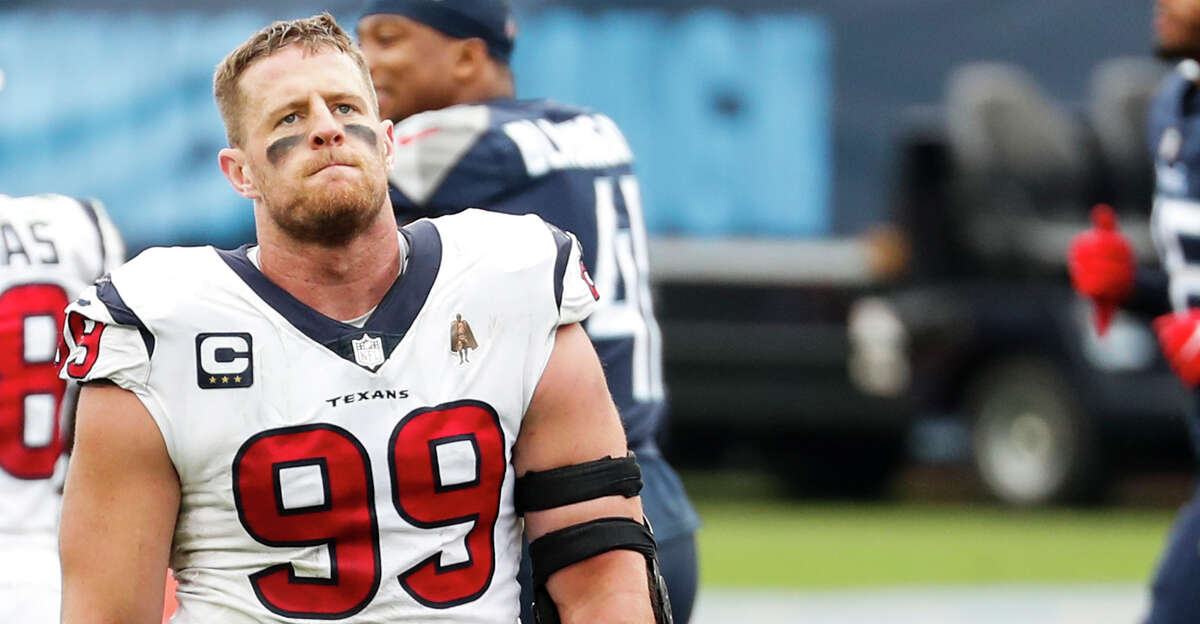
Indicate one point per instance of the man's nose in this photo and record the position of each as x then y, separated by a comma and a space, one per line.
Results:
326, 131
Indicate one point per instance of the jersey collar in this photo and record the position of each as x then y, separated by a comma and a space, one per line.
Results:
389, 322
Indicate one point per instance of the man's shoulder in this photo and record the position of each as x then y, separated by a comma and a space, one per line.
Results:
1171, 90
503, 241
59, 211
467, 155
481, 119
166, 275
430, 145
154, 263
506, 111
488, 229
45, 201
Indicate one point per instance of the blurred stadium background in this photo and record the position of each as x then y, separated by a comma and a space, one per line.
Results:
885, 398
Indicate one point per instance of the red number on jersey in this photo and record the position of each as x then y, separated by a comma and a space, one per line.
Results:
85, 334
342, 517
447, 466
30, 390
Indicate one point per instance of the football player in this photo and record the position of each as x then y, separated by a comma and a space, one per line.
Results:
441, 73
1102, 268
293, 426
51, 247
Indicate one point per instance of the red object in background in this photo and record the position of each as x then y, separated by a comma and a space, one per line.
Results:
1101, 263
169, 601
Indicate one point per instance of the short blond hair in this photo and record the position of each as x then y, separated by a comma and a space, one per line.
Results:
315, 34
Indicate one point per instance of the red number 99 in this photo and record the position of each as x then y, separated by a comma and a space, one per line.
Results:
447, 467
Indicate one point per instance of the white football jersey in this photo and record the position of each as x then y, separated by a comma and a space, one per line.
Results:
328, 471
51, 247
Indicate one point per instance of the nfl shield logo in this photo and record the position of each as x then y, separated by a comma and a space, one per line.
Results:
368, 351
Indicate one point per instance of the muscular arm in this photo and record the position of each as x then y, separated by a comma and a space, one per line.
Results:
119, 509
571, 420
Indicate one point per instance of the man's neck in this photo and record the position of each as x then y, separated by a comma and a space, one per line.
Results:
493, 87
341, 282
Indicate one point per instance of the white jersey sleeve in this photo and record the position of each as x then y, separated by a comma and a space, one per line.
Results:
579, 295
104, 340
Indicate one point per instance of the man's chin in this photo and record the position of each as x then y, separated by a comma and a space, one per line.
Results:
330, 218
1166, 53
1175, 52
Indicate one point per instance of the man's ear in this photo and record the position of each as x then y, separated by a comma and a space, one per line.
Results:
469, 59
389, 143
233, 165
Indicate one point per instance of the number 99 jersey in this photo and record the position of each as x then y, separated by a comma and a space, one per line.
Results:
331, 471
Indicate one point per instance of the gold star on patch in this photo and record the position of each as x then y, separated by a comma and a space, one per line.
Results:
237, 379
224, 380
212, 380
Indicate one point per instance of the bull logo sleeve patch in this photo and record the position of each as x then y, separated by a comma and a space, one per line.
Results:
224, 360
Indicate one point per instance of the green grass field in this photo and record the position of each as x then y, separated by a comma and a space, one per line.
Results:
757, 543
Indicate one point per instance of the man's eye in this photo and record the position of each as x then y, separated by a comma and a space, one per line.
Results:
288, 119
345, 109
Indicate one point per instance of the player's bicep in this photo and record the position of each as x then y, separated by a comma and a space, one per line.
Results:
571, 420
590, 556
119, 507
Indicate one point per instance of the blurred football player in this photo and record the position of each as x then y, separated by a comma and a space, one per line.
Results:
441, 72
1102, 268
51, 247
289, 424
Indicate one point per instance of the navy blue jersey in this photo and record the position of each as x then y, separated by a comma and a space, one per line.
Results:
1174, 137
573, 168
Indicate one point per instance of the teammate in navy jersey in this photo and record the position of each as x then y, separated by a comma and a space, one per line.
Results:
462, 140
1102, 268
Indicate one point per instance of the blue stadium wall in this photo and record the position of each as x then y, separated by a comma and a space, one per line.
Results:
755, 118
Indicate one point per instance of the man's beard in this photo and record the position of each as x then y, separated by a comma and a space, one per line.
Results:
1183, 42
330, 217
1174, 53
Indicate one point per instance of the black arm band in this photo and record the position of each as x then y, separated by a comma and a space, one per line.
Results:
547, 489
559, 549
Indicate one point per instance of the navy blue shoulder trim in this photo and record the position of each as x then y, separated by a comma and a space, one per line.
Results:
121, 313
406, 297
308, 321
563, 243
